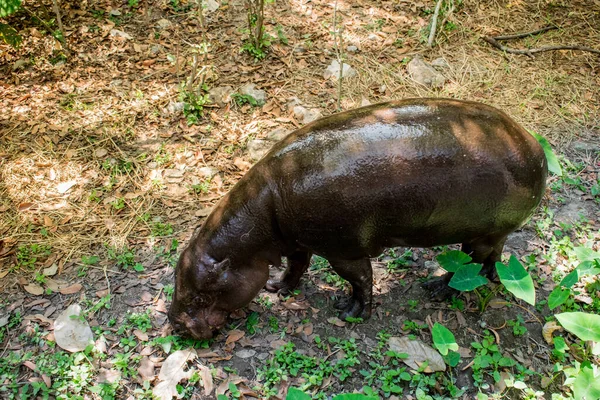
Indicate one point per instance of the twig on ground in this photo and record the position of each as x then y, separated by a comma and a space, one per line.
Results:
495, 41
525, 34
436, 13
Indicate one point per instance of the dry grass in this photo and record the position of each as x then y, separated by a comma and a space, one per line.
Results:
99, 121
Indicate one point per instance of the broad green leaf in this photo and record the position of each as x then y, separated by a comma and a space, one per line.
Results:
467, 278
587, 268
8, 7
452, 359
571, 279
553, 164
586, 254
297, 394
443, 339
557, 297
583, 269
452, 260
586, 385
354, 396
583, 325
559, 344
9, 35
517, 280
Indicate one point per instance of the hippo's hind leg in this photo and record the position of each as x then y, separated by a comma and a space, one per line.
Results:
360, 275
486, 251
298, 263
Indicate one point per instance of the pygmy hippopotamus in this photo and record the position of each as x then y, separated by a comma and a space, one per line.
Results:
415, 172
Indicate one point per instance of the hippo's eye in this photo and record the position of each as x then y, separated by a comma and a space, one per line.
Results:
201, 301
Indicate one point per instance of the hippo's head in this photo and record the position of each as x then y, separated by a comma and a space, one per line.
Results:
206, 291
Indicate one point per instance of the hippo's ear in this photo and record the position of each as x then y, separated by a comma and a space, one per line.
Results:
222, 266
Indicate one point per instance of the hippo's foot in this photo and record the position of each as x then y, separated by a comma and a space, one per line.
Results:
279, 286
353, 308
438, 289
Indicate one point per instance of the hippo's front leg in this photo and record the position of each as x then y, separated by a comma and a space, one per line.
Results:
298, 263
360, 275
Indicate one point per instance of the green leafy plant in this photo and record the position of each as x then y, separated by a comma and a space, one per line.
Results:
8, 34
517, 280
258, 40
193, 103
443, 339
553, 163
241, 99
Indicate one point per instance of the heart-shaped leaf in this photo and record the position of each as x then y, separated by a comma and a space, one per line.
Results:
452, 260
517, 280
583, 325
443, 339
467, 278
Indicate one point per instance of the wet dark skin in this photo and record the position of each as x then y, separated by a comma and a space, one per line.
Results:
416, 172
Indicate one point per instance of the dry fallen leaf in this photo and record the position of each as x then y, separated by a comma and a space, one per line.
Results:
146, 369
143, 336
172, 372
51, 270
207, 380
34, 289
336, 321
418, 353
71, 289
65, 186
234, 336
548, 330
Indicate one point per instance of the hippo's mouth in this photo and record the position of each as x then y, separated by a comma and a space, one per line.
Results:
200, 327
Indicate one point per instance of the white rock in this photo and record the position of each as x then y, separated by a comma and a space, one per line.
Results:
259, 95
220, 95
118, 33
257, 148
423, 73
440, 63
211, 6
306, 115
352, 49
365, 102
72, 334
207, 172
333, 71
100, 153
246, 353
164, 23
278, 134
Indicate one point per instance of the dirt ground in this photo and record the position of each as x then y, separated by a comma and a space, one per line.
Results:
103, 181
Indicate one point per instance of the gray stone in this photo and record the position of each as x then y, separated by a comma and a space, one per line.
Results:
220, 95
333, 71
352, 49
424, 74
571, 212
211, 6
292, 102
246, 353
155, 49
121, 34
278, 134
440, 63
164, 23
259, 95
258, 148
306, 115
207, 172
586, 146
174, 107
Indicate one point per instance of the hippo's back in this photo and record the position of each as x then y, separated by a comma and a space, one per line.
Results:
418, 172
